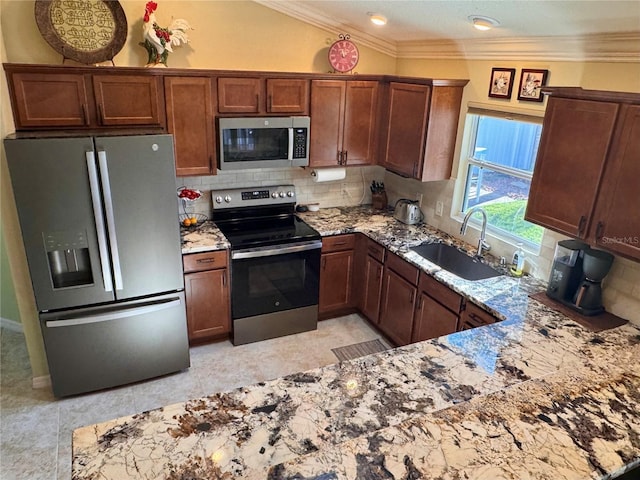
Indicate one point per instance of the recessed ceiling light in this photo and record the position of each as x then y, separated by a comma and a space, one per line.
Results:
483, 23
377, 19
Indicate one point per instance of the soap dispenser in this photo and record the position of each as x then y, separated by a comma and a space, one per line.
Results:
517, 264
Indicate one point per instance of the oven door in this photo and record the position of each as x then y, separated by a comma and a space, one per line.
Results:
275, 278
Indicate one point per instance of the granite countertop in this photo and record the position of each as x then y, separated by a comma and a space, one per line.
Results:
534, 396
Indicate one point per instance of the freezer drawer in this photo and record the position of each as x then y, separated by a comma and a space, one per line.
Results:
94, 348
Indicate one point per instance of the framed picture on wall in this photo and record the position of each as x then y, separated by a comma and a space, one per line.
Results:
531, 83
501, 83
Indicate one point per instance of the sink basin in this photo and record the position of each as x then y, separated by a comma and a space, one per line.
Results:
455, 261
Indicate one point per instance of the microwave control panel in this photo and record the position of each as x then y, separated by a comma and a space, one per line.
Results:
299, 143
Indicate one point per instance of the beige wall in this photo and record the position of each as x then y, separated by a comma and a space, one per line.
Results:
622, 285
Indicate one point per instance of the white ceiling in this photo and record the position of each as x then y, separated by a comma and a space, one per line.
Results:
429, 22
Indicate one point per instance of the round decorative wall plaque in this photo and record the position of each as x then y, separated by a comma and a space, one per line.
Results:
87, 31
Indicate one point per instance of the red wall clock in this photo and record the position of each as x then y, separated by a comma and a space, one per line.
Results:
343, 54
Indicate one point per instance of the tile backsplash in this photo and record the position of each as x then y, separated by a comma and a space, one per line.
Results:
352, 190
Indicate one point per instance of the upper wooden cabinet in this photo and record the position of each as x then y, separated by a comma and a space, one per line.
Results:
50, 97
43, 100
262, 96
585, 180
129, 100
343, 122
421, 128
190, 118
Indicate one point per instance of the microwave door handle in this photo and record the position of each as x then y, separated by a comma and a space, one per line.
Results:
290, 152
99, 220
111, 221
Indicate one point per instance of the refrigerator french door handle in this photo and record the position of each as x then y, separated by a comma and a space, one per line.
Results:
111, 221
94, 186
105, 317
290, 149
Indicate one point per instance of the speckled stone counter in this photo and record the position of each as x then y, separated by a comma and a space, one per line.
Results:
533, 397
203, 238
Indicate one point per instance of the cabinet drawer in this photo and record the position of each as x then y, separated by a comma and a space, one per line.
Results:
338, 242
402, 268
375, 250
476, 316
197, 262
441, 293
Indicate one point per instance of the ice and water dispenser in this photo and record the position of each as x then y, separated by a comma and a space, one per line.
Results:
68, 255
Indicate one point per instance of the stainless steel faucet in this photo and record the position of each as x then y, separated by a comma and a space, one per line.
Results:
482, 244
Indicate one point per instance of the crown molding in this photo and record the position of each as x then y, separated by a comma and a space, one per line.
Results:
303, 13
610, 47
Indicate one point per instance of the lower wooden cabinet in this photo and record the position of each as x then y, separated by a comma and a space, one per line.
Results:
473, 316
207, 295
432, 319
336, 269
372, 291
399, 293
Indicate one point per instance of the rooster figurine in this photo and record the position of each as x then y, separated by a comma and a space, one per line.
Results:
158, 40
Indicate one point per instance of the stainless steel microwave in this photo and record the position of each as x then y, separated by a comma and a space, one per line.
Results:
263, 142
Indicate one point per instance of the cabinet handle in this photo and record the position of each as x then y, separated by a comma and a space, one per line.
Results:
583, 221
257, 102
269, 101
419, 302
339, 157
224, 280
85, 114
324, 263
206, 260
100, 114
378, 273
337, 244
599, 230
346, 157
411, 296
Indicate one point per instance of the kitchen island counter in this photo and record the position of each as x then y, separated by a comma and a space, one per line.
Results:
534, 396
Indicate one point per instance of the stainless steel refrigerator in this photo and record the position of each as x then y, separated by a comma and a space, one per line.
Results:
100, 226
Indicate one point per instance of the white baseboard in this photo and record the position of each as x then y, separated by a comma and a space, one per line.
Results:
41, 382
11, 325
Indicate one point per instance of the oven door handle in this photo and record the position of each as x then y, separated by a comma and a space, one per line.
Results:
276, 250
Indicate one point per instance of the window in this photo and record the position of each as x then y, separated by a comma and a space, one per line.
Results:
502, 153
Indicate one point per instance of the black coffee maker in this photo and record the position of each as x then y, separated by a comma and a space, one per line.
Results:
595, 266
576, 276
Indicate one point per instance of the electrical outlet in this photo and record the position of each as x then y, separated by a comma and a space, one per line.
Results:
419, 198
439, 208
345, 192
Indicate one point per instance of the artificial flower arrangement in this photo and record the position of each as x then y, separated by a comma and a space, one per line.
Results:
158, 40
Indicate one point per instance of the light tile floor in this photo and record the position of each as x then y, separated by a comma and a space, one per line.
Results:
36, 428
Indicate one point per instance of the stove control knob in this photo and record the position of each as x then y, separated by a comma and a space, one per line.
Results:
274, 195
218, 199
227, 198
289, 193
282, 194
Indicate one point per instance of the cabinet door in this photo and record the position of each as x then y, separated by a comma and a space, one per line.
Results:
207, 303
335, 281
190, 119
129, 100
396, 312
407, 126
616, 221
576, 135
287, 96
240, 95
359, 138
327, 122
432, 320
49, 100
372, 289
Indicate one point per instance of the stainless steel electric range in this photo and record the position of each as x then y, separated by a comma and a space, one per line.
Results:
275, 262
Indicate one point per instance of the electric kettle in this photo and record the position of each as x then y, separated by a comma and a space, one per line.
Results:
407, 211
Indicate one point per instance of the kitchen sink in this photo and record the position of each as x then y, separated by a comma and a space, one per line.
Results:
455, 261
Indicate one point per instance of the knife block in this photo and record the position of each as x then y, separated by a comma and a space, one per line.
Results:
379, 200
